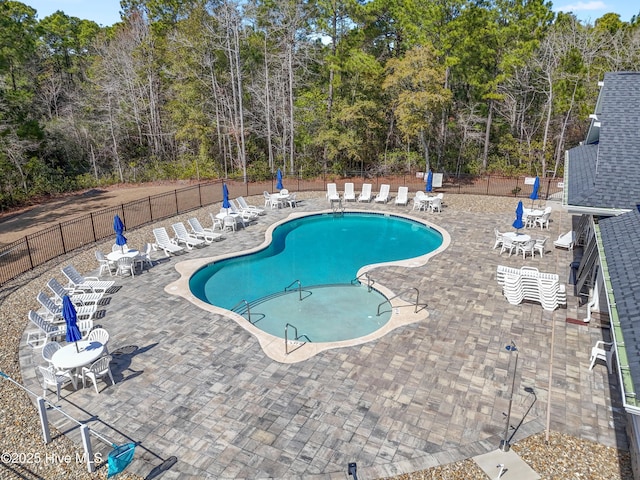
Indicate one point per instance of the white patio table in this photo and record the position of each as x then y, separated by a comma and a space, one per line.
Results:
68, 358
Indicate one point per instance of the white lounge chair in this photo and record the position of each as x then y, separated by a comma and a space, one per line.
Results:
44, 332
163, 242
332, 192
565, 240
53, 312
79, 282
403, 196
244, 206
80, 298
349, 194
244, 215
365, 194
182, 236
207, 234
383, 194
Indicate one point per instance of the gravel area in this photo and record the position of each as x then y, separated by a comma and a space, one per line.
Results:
23, 454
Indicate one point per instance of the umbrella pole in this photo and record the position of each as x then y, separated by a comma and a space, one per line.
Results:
77, 349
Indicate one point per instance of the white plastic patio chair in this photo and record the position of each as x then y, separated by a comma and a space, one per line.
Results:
365, 194
207, 234
126, 266
540, 246
349, 194
602, 351
383, 194
292, 201
98, 369
49, 349
267, 198
403, 196
144, 257
105, 264
229, 222
543, 220
498, 240
526, 248
163, 242
332, 192
435, 204
99, 335
55, 378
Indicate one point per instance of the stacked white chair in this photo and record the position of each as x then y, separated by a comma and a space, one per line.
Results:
527, 283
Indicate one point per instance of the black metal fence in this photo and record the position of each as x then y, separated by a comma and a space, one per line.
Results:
38, 248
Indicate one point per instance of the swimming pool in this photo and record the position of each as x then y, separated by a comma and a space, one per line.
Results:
321, 250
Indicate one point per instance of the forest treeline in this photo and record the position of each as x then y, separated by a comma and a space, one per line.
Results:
196, 89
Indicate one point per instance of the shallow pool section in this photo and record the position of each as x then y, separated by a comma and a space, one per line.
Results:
323, 314
322, 249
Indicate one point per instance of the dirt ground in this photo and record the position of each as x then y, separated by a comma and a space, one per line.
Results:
16, 224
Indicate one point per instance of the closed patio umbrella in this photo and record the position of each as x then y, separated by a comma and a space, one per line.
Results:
225, 197
429, 186
71, 319
534, 192
118, 227
518, 223
279, 185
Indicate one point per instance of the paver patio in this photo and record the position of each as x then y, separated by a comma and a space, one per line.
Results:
197, 386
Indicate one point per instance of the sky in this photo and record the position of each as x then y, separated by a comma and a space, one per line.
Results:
106, 12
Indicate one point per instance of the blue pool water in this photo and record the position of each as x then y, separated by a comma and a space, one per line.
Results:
316, 250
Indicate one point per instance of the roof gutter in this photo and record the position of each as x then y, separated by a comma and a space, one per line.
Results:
597, 211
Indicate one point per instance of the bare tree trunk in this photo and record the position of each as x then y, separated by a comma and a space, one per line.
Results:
487, 135
267, 103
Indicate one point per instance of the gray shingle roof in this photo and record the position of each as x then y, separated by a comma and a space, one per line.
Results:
616, 183
620, 240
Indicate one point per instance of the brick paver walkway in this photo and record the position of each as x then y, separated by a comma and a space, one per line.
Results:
197, 386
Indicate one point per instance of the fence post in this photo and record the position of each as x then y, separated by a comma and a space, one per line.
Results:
124, 220
488, 180
175, 195
150, 209
88, 451
64, 247
26, 239
42, 413
200, 194
93, 228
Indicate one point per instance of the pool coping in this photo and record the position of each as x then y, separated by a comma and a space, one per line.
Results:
274, 347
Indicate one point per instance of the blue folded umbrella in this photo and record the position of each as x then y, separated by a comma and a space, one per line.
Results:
429, 186
225, 196
518, 223
71, 319
279, 185
118, 227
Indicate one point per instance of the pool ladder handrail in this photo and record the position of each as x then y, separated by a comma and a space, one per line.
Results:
388, 300
286, 289
337, 207
246, 304
370, 281
286, 339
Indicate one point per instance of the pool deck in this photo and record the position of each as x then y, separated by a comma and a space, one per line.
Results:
197, 386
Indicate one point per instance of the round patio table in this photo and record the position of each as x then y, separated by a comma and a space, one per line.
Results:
68, 358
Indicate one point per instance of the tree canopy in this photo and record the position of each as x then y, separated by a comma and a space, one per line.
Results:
227, 88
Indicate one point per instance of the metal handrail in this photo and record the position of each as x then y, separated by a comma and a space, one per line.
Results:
388, 300
299, 288
370, 281
286, 338
246, 304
